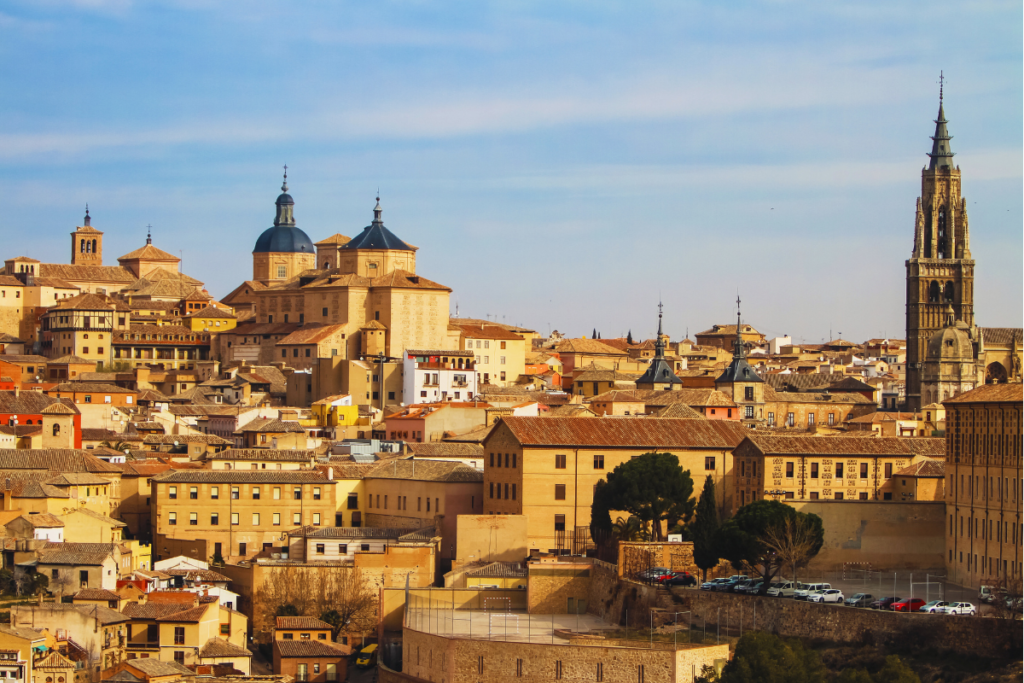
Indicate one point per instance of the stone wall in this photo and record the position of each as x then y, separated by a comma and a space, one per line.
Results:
554, 585
462, 660
619, 602
973, 636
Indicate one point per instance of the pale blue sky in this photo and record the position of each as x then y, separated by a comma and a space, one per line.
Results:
558, 164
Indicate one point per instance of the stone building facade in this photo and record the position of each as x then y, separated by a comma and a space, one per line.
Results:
983, 485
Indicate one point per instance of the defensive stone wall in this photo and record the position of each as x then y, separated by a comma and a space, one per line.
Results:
971, 636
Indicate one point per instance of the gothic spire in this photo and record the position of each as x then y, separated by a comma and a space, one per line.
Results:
941, 154
738, 344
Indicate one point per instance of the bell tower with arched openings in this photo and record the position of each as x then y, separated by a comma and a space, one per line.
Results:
940, 272
86, 244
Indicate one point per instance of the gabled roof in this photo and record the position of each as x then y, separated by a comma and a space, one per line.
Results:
212, 312
589, 346
271, 426
847, 445
441, 449
929, 468
991, 393
500, 570
301, 623
96, 594
312, 334
307, 648
218, 647
64, 271
241, 476
53, 459
336, 238
150, 253
153, 668
425, 470
624, 433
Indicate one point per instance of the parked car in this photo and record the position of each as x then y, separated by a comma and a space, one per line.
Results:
859, 600
883, 603
934, 607
987, 594
753, 588
827, 595
726, 586
908, 605
680, 579
741, 585
960, 608
653, 573
805, 589
782, 589
711, 585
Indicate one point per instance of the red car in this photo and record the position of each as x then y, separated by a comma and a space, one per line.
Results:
908, 605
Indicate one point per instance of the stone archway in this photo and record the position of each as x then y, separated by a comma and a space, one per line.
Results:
995, 373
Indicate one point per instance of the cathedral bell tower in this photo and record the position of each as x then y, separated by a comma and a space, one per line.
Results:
940, 271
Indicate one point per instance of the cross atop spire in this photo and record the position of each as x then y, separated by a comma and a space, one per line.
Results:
941, 154
659, 318
149, 234
284, 185
738, 352
942, 80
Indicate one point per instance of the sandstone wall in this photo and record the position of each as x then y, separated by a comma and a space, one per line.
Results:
973, 636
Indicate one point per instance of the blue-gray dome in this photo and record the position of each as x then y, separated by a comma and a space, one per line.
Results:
282, 239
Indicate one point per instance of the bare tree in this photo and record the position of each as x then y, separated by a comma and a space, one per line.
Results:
315, 591
793, 541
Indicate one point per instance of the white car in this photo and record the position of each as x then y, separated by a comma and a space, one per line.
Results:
934, 607
960, 608
805, 589
826, 595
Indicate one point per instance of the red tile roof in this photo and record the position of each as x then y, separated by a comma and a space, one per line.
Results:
623, 433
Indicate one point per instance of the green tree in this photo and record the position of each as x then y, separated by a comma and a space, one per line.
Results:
751, 537
854, 676
765, 658
286, 610
631, 529
652, 487
120, 446
895, 671
705, 529
334, 618
707, 674
629, 337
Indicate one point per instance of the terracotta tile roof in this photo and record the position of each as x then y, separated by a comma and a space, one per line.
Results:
679, 411
72, 273
72, 554
991, 393
77, 479
42, 520
218, 647
625, 433
170, 439
336, 238
312, 334
92, 387
302, 622
96, 594
925, 468
27, 403
151, 610
271, 425
212, 312
182, 599
59, 409
726, 331
149, 252
109, 521
21, 632
425, 470
155, 668
89, 302
393, 533
711, 398
1002, 335
476, 435
27, 484
588, 346
571, 410
598, 374
307, 648
440, 449
205, 575
265, 455
191, 615
847, 445
53, 459
487, 332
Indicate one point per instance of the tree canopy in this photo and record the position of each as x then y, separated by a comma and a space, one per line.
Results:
767, 534
765, 658
705, 529
652, 487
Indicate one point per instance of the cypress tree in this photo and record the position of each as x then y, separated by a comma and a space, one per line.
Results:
705, 529
629, 337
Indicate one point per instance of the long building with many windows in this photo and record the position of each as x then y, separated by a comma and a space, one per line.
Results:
983, 485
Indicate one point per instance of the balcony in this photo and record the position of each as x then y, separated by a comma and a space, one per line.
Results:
136, 646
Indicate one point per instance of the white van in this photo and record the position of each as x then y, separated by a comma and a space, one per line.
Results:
804, 588
782, 589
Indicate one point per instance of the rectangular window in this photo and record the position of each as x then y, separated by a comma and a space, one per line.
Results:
297, 518
353, 501
839, 470
316, 493
559, 522
748, 412
709, 463
863, 470
297, 493
864, 495
193, 519
771, 419
789, 495
559, 491
789, 420
514, 457
215, 493
234, 493
255, 492
810, 419
234, 519
214, 518
179, 657
172, 518
598, 462
179, 635
600, 672
277, 493
490, 494
320, 547
172, 492
839, 495
814, 470
513, 491
343, 548
193, 493
316, 519
789, 470
888, 470
814, 495
492, 459
255, 519
748, 393
225, 629
560, 461
277, 519
831, 419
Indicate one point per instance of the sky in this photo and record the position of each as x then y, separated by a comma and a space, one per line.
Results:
559, 165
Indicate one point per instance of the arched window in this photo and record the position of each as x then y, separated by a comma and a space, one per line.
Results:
56, 429
94, 246
948, 292
81, 246
928, 235
933, 292
327, 264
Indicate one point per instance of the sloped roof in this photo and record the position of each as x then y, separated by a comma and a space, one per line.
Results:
149, 252
96, 594
301, 623
218, 647
42, 520
425, 470
241, 476
591, 346
92, 387
153, 667
500, 570
929, 468
847, 445
53, 459
441, 449
1002, 335
679, 411
625, 433
312, 334
307, 648
336, 238
90, 302
212, 312
265, 455
71, 273
271, 425
991, 393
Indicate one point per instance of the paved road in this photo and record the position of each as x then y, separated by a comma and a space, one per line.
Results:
357, 675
